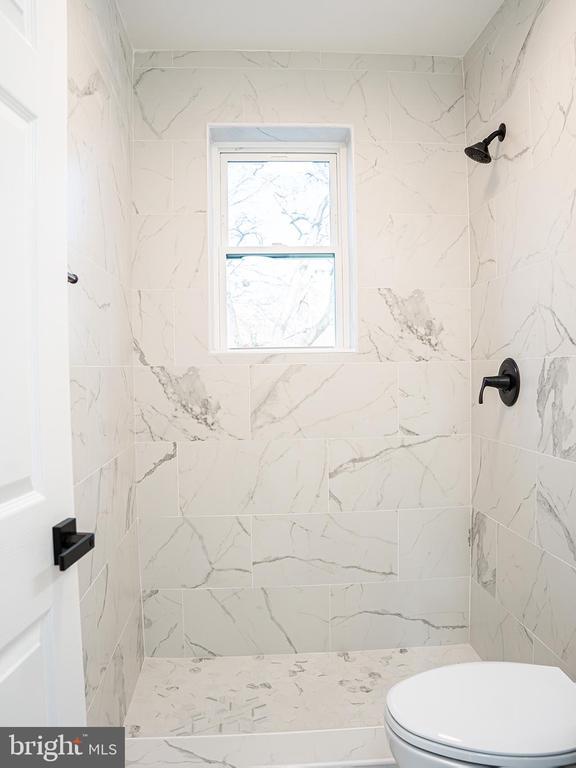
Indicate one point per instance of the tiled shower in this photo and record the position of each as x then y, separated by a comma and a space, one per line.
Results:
307, 491
256, 511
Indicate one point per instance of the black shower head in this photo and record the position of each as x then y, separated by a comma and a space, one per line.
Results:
479, 152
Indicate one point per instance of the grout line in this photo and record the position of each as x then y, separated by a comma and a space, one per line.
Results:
183, 619
521, 449
329, 587
283, 587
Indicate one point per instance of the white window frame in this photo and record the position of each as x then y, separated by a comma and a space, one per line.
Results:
336, 153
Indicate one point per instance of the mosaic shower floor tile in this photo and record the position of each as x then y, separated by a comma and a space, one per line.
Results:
276, 693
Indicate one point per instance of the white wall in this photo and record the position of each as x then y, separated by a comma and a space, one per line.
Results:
100, 70
305, 502
522, 71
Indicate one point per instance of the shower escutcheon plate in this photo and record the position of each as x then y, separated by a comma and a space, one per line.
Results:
507, 382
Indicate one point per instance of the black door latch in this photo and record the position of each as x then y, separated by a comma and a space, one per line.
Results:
69, 544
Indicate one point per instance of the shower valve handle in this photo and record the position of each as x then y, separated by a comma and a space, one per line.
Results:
498, 382
507, 383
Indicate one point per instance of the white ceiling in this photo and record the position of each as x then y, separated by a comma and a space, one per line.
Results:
426, 27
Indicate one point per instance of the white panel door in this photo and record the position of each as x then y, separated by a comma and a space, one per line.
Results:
41, 681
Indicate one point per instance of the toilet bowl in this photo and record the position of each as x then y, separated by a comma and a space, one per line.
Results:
483, 714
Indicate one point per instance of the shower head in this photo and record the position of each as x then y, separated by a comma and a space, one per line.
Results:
479, 152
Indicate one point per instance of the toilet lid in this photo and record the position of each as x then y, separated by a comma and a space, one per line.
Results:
493, 707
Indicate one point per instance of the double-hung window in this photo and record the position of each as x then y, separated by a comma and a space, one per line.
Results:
280, 246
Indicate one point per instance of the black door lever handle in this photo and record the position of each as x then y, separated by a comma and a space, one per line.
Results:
69, 544
507, 383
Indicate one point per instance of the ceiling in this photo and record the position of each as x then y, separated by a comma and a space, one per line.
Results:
418, 27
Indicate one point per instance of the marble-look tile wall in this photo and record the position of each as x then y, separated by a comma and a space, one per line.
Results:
522, 71
100, 117
304, 502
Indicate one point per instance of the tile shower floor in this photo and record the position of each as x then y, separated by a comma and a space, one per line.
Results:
274, 694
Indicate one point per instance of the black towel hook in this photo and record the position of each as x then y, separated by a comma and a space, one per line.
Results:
72, 278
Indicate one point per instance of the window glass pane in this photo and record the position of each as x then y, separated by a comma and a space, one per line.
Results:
279, 203
281, 301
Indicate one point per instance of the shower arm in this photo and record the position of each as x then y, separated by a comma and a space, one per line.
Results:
498, 134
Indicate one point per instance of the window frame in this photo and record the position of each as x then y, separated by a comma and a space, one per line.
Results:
223, 152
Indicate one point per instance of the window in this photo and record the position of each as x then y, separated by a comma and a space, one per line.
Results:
280, 246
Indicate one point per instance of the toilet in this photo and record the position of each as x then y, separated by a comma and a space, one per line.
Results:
483, 714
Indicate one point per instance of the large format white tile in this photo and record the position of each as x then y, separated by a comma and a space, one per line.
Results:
538, 590
409, 177
105, 608
163, 622
152, 177
270, 749
99, 307
192, 327
190, 177
399, 614
249, 59
156, 480
99, 30
427, 107
153, 327
195, 552
178, 103
104, 504
323, 401
99, 190
253, 477
398, 473
545, 657
552, 108
325, 549
504, 484
357, 98
406, 250
484, 555
556, 407
482, 245
556, 508
520, 39
191, 403
242, 622
306, 60
434, 398
169, 251
110, 704
144, 59
413, 325
519, 426
494, 633
101, 416
527, 314
99, 621
434, 543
